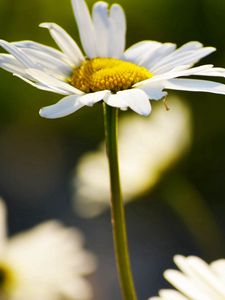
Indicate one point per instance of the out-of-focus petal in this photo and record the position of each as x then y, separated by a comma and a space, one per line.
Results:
3, 229
196, 280
143, 158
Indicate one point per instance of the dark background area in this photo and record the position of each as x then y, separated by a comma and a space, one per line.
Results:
38, 156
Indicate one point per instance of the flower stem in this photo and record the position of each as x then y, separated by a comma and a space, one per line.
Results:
117, 208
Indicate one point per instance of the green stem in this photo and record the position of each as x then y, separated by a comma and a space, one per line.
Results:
117, 208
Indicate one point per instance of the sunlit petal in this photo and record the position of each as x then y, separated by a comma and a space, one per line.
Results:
195, 85
196, 280
65, 43
64, 107
85, 26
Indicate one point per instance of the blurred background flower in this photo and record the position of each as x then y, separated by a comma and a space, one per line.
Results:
197, 280
147, 147
46, 262
37, 156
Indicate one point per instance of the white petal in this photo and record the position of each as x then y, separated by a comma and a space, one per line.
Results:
115, 101
117, 31
195, 85
65, 43
217, 72
92, 98
149, 59
42, 48
171, 295
218, 267
50, 81
49, 64
180, 58
176, 72
41, 86
200, 272
137, 100
64, 107
190, 46
11, 64
154, 91
187, 48
85, 26
101, 24
110, 30
17, 53
136, 52
56, 250
185, 285
3, 226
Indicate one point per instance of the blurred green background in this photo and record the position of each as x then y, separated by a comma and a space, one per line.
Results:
38, 156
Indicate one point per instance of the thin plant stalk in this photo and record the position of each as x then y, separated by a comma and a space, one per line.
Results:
117, 208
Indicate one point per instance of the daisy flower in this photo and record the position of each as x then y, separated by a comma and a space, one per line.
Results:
196, 281
106, 71
47, 262
141, 140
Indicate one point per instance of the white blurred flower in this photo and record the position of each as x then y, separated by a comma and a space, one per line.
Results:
196, 281
121, 78
47, 262
147, 147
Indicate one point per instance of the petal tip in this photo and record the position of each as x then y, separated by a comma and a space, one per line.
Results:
101, 4
45, 25
42, 113
146, 113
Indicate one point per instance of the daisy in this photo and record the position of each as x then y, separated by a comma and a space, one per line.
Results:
47, 262
141, 140
196, 281
121, 78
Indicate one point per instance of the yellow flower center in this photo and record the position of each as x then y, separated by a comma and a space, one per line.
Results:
7, 280
107, 74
